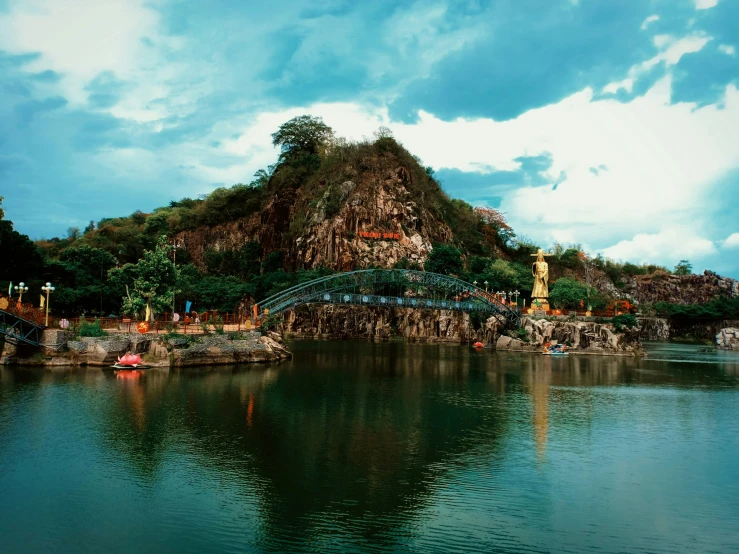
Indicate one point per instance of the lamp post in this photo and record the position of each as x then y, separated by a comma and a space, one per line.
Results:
20, 288
175, 246
474, 283
504, 297
486, 286
515, 292
48, 289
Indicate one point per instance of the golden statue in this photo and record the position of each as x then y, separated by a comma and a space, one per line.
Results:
540, 292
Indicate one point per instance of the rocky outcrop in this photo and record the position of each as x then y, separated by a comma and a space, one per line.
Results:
158, 351
654, 328
221, 350
680, 289
580, 336
728, 339
326, 227
379, 205
384, 323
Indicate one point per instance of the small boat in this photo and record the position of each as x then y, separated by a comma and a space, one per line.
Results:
555, 350
130, 361
478, 344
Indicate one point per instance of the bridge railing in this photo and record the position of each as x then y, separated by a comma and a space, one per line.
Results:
447, 293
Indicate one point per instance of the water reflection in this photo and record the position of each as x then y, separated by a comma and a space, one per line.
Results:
353, 446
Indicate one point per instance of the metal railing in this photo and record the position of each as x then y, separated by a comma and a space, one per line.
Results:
397, 288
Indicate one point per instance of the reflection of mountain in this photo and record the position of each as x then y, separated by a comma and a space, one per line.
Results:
338, 435
361, 439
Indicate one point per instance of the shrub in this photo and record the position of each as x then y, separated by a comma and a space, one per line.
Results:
92, 329
624, 320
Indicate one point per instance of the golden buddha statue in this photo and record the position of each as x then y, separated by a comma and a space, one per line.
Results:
540, 292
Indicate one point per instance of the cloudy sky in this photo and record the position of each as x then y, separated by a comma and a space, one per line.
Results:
610, 124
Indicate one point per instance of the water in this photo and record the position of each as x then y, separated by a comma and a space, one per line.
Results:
361, 447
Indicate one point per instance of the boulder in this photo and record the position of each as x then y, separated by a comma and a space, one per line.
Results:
728, 339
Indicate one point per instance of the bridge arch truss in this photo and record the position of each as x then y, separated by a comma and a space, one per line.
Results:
392, 288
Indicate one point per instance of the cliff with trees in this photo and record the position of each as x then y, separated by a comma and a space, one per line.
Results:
327, 205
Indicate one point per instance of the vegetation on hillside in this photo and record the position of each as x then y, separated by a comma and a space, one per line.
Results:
91, 268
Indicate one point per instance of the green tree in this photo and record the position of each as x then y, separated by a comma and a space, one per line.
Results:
149, 283
20, 259
446, 259
683, 268
567, 293
302, 135
80, 276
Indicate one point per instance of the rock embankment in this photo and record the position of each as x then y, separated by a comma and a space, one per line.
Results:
728, 339
357, 322
680, 289
580, 336
157, 350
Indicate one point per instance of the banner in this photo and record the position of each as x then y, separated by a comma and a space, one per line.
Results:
188, 305
42, 302
10, 289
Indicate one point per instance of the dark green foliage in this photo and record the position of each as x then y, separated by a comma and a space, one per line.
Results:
80, 276
445, 259
567, 293
477, 264
720, 308
273, 262
570, 258
624, 320
303, 135
242, 262
333, 201
683, 268
20, 258
405, 263
92, 329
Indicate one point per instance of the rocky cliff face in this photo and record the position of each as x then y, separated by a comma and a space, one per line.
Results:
327, 225
680, 289
384, 323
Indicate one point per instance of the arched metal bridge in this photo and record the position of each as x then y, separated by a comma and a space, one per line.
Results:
390, 288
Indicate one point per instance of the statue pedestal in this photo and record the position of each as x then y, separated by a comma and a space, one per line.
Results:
543, 305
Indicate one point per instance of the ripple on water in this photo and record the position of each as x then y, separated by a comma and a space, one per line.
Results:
375, 448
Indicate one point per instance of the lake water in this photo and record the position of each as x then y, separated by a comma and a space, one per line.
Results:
390, 447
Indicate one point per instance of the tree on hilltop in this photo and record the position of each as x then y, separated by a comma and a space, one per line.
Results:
683, 268
304, 134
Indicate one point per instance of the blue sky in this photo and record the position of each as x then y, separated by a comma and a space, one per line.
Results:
610, 124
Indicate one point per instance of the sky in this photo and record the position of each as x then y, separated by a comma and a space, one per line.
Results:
614, 125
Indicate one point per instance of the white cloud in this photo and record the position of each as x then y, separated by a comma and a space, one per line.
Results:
705, 4
732, 241
727, 49
671, 50
82, 38
648, 20
667, 246
661, 161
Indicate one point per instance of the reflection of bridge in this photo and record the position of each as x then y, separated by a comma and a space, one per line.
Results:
17, 329
390, 288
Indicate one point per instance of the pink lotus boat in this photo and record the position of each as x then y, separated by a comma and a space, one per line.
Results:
129, 361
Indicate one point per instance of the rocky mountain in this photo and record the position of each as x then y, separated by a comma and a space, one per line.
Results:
369, 219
